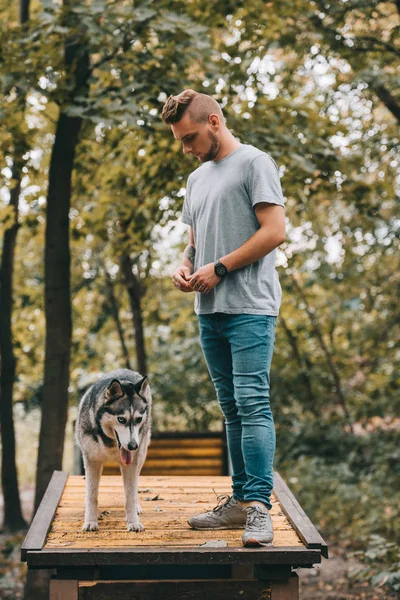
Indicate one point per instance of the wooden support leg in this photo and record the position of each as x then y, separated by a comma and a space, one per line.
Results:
242, 571
63, 589
286, 590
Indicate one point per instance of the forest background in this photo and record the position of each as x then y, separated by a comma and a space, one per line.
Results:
91, 190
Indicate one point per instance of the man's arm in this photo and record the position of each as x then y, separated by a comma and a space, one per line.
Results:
271, 234
189, 252
186, 268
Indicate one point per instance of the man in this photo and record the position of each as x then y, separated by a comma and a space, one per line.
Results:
234, 207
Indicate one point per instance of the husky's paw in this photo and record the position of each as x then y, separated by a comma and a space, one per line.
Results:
135, 526
90, 526
139, 509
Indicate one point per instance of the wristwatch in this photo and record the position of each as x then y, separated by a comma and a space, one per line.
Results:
220, 269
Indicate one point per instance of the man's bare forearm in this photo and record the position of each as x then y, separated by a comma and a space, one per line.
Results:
256, 247
188, 257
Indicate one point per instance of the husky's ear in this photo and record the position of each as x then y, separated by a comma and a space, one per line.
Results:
141, 387
114, 391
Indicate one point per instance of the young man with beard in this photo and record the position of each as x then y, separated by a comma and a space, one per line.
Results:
234, 207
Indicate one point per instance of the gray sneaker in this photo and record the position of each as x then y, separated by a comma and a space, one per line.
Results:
259, 530
226, 515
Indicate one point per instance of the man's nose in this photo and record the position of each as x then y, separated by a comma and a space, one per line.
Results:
132, 446
186, 149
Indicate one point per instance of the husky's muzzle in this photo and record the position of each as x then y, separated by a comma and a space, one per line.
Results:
125, 455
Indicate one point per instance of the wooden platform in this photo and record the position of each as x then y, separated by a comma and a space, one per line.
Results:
168, 548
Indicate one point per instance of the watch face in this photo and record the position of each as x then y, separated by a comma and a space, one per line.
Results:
220, 269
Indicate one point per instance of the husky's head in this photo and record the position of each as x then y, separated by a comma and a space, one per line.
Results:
124, 413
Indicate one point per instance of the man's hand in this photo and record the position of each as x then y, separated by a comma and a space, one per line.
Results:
181, 278
204, 279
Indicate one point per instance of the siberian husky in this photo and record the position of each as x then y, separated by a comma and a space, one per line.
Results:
114, 423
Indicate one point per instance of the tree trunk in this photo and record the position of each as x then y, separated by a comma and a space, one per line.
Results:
13, 519
134, 288
57, 304
115, 313
24, 10
57, 273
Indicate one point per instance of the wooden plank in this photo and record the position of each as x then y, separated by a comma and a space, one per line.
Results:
286, 590
188, 435
212, 589
177, 489
187, 443
298, 518
189, 452
180, 504
166, 482
160, 463
41, 523
63, 589
172, 471
177, 496
156, 520
145, 481
185, 539
49, 558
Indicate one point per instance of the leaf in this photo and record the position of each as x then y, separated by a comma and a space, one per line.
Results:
215, 544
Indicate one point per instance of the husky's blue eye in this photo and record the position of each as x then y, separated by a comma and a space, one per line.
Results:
121, 420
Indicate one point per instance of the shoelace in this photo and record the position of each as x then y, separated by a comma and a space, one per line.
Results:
254, 513
221, 504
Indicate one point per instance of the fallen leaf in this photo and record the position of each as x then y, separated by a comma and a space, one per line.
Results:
215, 544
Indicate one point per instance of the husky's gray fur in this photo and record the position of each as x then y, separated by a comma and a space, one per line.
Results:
114, 423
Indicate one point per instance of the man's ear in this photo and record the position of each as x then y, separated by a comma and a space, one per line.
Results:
214, 120
113, 392
141, 387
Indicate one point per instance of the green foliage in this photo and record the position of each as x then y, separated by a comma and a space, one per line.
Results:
351, 491
380, 552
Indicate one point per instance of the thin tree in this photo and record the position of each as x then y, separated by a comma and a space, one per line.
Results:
13, 518
135, 289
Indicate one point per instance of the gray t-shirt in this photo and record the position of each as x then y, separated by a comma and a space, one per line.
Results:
219, 205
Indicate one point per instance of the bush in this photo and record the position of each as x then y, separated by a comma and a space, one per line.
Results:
352, 494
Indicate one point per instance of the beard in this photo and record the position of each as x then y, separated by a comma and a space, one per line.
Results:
213, 149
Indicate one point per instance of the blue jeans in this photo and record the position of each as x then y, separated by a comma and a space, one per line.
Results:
238, 351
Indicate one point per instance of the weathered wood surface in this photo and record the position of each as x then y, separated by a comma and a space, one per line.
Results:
298, 518
167, 503
49, 558
171, 590
286, 590
40, 525
64, 590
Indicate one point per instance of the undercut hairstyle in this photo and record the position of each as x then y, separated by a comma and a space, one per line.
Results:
198, 106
